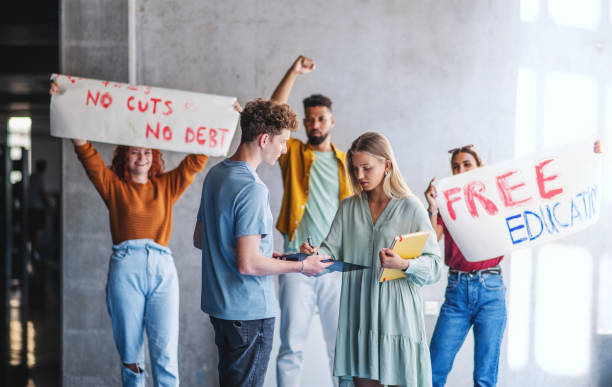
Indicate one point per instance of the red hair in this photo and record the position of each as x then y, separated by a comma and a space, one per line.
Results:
120, 163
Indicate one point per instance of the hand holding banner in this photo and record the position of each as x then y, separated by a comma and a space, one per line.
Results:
494, 210
144, 116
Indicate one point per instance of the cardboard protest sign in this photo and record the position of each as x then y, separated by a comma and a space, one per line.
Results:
144, 116
494, 210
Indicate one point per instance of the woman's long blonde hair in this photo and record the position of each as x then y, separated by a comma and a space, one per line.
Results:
377, 146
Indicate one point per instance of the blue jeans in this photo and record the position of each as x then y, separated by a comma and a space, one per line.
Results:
244, 350
471, 299
142, 293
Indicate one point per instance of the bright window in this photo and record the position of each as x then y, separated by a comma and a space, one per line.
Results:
575, 13
563, 309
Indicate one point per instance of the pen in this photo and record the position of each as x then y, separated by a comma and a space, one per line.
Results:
309, 239
393, 244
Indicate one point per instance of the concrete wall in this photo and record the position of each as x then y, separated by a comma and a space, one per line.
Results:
93, 44
429, 75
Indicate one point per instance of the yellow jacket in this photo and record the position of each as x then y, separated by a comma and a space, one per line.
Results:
295, 168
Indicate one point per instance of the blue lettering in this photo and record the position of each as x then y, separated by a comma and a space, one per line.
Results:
512, 229
587, 213
528, 226
553, 227
555, 216
575, 213
593, 199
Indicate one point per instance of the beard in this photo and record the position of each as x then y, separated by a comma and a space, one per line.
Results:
317, 140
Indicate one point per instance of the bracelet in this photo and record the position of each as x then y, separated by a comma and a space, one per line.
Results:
432, 212
302, 269
404, 270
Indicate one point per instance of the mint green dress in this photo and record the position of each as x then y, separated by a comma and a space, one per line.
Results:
381, 329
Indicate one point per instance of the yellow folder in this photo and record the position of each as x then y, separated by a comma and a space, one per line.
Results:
407, 246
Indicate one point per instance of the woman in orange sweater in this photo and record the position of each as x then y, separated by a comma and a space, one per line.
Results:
142, 292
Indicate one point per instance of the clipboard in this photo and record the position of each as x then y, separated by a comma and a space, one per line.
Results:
407, 246
340, 266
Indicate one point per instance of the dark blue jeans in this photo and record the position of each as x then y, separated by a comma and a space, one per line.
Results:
471, 299
244, 350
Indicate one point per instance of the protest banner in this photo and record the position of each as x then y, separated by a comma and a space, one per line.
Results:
494, 210
143, 116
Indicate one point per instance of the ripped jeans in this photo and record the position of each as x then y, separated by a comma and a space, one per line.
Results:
142, 293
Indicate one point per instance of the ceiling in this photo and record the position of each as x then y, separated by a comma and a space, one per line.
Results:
29, 53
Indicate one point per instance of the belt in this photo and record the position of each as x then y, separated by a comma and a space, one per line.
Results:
491, 270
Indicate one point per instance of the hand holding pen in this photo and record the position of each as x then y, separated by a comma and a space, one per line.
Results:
313, 258
308, 248
315, 250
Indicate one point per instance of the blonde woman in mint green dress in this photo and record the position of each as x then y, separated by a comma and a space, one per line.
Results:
381, 330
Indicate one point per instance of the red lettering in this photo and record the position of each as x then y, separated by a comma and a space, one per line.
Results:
143, 105
541, 180
473, 191
130, 99
223, 131
147, 90
141, 108
450, 201
105, 83
506, 192
106, 100
212, 134
167, 133
132, 87
90, 96
155, 131
155, 101
169, 111
189, 135
201, 134
117, 85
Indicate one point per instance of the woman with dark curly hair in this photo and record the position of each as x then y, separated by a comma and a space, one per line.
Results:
142, 291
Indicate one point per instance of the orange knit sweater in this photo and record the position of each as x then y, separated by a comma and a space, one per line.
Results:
139, 211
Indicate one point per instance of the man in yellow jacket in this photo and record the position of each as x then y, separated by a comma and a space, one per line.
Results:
315, 182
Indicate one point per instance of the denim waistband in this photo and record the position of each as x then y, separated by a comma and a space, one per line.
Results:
137, 244
495, 270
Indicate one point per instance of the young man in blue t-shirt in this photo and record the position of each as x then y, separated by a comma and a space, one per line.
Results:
234, 230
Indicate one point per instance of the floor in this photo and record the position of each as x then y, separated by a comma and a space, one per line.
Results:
34, 323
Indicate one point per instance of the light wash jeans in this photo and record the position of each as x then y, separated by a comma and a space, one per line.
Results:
298, 297
142, 293
471, 299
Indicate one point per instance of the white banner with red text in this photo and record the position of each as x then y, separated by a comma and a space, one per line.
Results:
143, 116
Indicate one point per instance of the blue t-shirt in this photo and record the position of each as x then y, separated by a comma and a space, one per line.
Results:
235, 203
